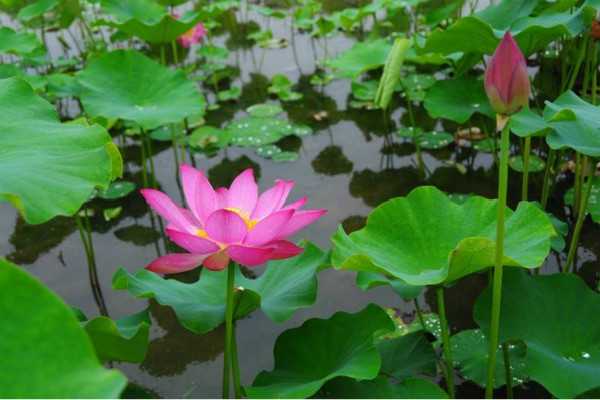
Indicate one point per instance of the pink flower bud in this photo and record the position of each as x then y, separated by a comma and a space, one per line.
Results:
506, 80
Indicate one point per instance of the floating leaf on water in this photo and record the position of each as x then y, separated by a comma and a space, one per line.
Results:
434, 140
285, 156
264, 110
487, 145
536, 164
125, 339
207, 136
111, 213
409, 132
593, 206
117, 190
268, 151
232, 93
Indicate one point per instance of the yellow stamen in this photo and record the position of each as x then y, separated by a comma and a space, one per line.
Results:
250, 223
201, 233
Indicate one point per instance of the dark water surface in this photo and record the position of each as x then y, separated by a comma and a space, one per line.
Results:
347, 166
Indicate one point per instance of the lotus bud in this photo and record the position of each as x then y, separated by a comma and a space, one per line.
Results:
506, 80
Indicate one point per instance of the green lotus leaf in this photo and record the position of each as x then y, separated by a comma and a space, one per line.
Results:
415, 86
532, 33
125, 339
360, 58
36, 9
434, 140
557, 318
264, 110
268, 151
470, 352
426, 239
284, 287
148, 20
18, 43
406, 356
117, 190
127, 85
45, 352
382, 388
252, 131
41, 156
323, 349
206, 136
457, 99
63, 85
37, 82
527, 123
593, 206
536, 164
575, 123
368, 280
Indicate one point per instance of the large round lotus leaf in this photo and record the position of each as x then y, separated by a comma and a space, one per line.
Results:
382, 388
360, 58
457, 99
425, 238
148, 20
17, 42
406, 356
470, 352
575, 123
320, 350
557, 317
284, 287
45, 352
130, 86
49, 168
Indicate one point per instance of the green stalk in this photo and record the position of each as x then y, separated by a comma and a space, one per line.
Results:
235, 366
445, 340
144, 166
497, 281
507, 371
569, 266
526, 152
174, 49
419, 313
548, 175
577, 66
419, 154
228, 328
578, 183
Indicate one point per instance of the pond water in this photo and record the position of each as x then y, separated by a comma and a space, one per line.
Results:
351, 163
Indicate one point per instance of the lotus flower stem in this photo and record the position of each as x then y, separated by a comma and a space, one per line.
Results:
577, 66
507, 371
526, 152
235, 365
548, 178
569, 267
229, 288
449, 369
419, 313
497, 280
144, 166
175, 56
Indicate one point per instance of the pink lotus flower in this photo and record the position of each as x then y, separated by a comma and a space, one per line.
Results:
193, 36
234, 223
506, 80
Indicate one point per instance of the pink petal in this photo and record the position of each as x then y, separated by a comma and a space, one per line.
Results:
249, 256
175, 263
267, 229
199, 193
217, 261
269, 200
243, 192
297, 204
221, 197
299, 220
164, 206
225, 226
289, 185
284, 249
192, 243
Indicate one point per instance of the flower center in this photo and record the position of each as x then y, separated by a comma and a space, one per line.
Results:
250, 223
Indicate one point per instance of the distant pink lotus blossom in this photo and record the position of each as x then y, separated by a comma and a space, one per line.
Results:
224, 224
506, 79
193, 36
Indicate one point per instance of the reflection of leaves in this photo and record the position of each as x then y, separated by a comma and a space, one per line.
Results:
239, 33
312, 102
332, 161
31, 241
137, 234
170, 354
223, 173
376, 187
